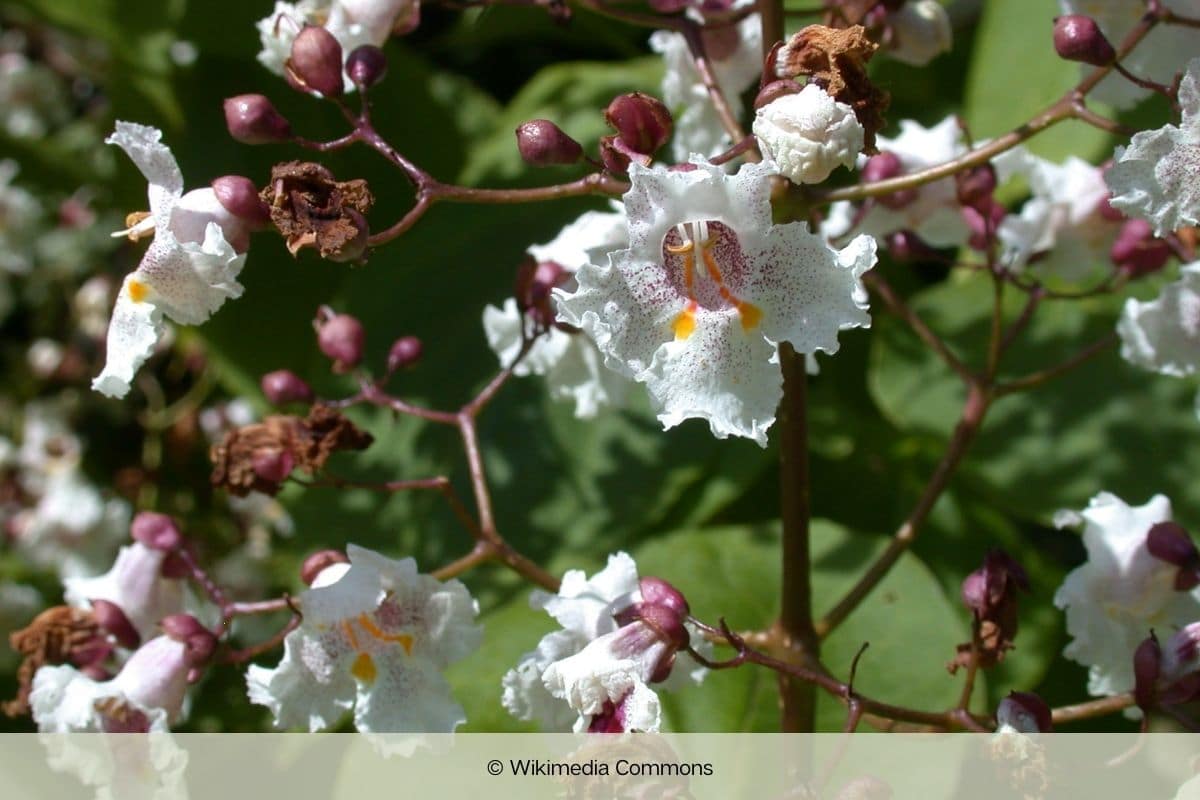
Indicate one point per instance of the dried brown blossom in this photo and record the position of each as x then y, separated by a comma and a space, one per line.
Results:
836, 60
313, 209
259, 457
58, 635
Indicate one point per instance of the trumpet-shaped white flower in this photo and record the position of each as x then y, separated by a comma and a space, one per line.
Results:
352, 23
808, 134
572, 366
1157, 177
1121, 592
1063, 219
708, 287
1161, 54
736, 57
375, 637
595, 673
188, 271
135, 584
920, 32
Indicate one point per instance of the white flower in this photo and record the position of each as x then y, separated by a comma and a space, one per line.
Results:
375, 637
146, 695
1157, 177
135, 584
188, 271
736, 56
1121, 591
1163, 334
571, 364
1063, 219
709, 286
920, 32
808, 134
1158, 56
934, 213
594, 673
352, 23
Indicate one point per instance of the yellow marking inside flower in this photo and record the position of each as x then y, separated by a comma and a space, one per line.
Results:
363, 668
348, 627
685, 324
138, 291
751, 314
402, 639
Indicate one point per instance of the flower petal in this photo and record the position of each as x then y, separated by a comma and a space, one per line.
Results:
143, 144
134, 330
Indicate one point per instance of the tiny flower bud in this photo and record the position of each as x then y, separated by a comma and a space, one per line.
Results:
112, 620
405, 352
1077, 37
156, 531
775, 90
342, 338
316, 61
1169, 542
541, 143
666, 621
366, 65
252, 119
983, 220
273, 466
200, 643
284, 386
976, 185
1137, 251
181, 626
642, 122
1147, 668
656, 591
1024, 712
615, 161
886, 165
239, 196
316, 563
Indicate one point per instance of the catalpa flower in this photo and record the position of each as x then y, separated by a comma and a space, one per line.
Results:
619, 635
375, 637
708, 287
1157, 178
187, 273
1121, 592
1163, 334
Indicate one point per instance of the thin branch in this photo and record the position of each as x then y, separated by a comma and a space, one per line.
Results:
1042, 376
1092, 708
877, 283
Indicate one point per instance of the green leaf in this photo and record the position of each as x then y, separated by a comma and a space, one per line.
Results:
1008, 83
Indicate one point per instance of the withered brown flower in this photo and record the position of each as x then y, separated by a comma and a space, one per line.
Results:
311, 208
58, 635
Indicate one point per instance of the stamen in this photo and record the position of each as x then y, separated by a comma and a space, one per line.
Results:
348, 627
751, 315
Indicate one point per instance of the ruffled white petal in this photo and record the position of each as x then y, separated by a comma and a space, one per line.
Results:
526, 697
586, 239
1163, 334
583, 605
304, 690
808, 134
408, 695
143, 144
134, 330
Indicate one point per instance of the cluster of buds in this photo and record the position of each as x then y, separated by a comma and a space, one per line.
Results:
991, 593
642, 124
534, 286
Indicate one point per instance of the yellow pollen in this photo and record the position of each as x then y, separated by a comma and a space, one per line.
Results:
685, 324
138, 291
751, 315
402, 639
131, 220
363, 668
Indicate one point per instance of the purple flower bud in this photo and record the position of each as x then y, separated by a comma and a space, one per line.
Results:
156, 531
656, 591
1147, 668
342, 338
366, 65
405, 352
666, 621
1169, 542
316, 563
112, 620
273, 465
886, 165
239, 196
316, 61
284, 386
775, 90
541, 143
642, 122
976, 185
983, 220
1137, 251
1025, 712
175, 566
905, 245
1077, 37
200, 643
615, 160
181, 626
252, 119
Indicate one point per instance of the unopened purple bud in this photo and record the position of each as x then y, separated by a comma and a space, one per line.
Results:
181, 626
252, 119
273, 465
775, 90
642, 122
1137, 251
1169, 542
156, 531
316, 563
316, 61
284, 386
974, 591
983, 220
113, 621
905, 245
666, 622
881, 166
366, 65
1147, 669
1077, 37
342, 338
1024, 712
976, 186
656, 591
239, 196
199, 642
614, 159
405, 352
541, 143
